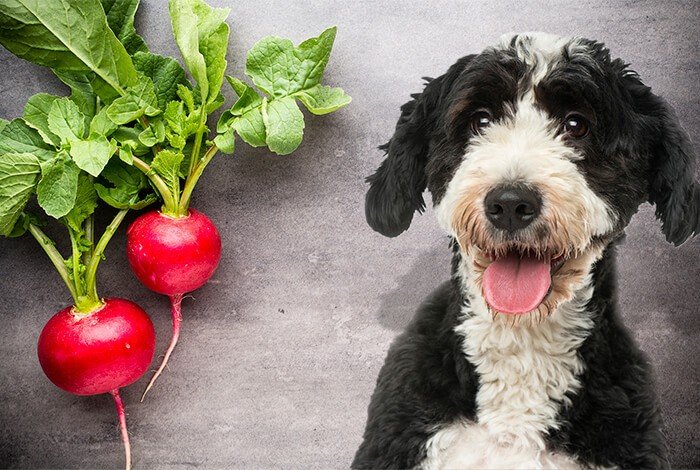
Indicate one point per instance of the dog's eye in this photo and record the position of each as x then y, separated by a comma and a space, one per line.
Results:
576, 125
479, 121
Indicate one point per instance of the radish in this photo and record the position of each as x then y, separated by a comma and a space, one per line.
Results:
173, 256
97, 345
98, 352
176, 250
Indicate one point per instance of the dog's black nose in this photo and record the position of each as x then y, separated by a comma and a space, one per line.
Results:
512, 207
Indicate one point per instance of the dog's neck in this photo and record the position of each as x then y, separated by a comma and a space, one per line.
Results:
526, 369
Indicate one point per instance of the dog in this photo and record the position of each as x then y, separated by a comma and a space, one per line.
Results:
537, 153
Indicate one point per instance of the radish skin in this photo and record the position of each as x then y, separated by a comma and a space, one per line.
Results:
173, 256
98, 352
119, 333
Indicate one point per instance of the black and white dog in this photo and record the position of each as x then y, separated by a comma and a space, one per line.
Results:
537, 152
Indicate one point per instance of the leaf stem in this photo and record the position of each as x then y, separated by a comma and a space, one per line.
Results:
165, 193
91, 271
75, 259
194, 159
90, 237
194, 177
56, 259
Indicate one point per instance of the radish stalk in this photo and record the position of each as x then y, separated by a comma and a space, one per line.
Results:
96, 257
157, 181
89, 226
57, 260
193, 178
198, 139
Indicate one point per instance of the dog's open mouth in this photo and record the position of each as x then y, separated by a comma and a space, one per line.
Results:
518, 281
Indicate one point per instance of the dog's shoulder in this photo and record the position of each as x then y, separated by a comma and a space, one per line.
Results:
427, 358
425, 382
617, 401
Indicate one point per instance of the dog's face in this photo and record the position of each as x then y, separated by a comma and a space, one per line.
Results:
537, 153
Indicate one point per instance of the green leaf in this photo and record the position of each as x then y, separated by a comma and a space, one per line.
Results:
127, 185
141, 99
92, 154
101, 124
128, 136
120, 17
85, 87
175, 116
201, 34
85, 203
167, 165
215, 103
251, 127
284, 124
248, 98
19, 173
187, 97
225, 121
279, 69
226, 141
322, 99
36, 113
165, 72
58, 186
65, 120
179, 125
245, 116
176, 141
22, 225
18, 137
286, 73
126, 155
153, 134
66, 36
3, 123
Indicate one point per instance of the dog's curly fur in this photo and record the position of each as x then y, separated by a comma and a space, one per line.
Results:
563, 386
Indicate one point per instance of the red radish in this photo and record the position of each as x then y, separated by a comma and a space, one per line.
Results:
98, 352
177, 250
173, 256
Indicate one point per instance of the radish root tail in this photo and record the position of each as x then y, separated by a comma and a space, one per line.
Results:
175, 301
122, 426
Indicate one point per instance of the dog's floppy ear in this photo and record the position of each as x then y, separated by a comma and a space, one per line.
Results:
672, 184
396, 188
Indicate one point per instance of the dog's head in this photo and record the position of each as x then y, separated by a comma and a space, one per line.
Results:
537, 152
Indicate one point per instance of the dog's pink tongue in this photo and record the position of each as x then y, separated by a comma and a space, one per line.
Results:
516, 284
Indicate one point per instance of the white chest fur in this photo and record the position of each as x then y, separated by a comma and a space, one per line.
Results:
463, 445
524, 373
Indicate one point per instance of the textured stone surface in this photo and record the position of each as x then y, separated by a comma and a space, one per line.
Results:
280, 351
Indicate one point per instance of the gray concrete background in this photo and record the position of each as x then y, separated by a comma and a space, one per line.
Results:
280, 351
